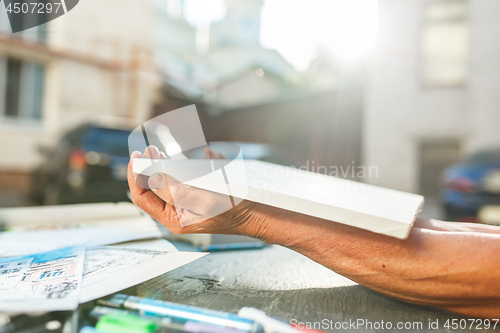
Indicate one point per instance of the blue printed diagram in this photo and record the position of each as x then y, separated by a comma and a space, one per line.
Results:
38, 279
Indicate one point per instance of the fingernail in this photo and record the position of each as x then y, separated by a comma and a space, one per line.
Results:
156, 182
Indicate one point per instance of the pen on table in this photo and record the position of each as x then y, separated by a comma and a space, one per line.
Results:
100, 311
181, 313
127, 323
232, 247
270, 324
120, 321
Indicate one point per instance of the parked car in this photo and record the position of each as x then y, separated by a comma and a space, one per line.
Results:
471, 185
89, 164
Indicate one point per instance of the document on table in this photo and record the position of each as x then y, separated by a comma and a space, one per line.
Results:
78, 268
109, 269
39, 229
14, 243
49, 281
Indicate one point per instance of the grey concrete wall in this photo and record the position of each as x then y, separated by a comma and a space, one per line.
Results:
400, 113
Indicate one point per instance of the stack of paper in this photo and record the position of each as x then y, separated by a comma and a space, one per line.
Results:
39, 229
53, 258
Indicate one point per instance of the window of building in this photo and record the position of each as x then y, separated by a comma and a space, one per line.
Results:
445, 43
21, 90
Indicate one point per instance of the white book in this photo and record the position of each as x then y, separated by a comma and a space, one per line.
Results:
369, 207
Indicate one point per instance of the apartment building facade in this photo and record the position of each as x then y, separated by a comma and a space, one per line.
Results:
94, 62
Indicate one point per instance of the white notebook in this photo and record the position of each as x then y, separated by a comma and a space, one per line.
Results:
369, 207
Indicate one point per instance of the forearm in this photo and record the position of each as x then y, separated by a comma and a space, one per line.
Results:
456, 227
447, 265
457, 271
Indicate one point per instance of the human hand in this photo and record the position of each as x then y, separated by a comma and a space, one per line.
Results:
185, 209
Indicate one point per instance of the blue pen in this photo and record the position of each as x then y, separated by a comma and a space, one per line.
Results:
182, 313
232, 247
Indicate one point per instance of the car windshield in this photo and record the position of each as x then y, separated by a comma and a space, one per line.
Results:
485, 157
113, 142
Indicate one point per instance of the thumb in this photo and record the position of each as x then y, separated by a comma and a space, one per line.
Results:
160, 184
182, 196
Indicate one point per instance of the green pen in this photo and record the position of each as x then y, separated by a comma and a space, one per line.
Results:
125, 323
166, 323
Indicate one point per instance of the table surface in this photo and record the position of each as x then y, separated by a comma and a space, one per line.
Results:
286, 285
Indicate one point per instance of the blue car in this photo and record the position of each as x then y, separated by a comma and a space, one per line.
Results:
471, 185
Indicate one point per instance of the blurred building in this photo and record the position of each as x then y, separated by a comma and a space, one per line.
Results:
245, 92
94, 61
176, 47
432, 89
225, 65
108, 59
245, 72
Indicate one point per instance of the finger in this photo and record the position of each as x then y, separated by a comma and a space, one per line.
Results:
150, 202
209, 153
137, 177
135, 154
219, 156
202, 202
151, 152
162, 155
196, 201
160, 210
140, 180
160, 184
133, 181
